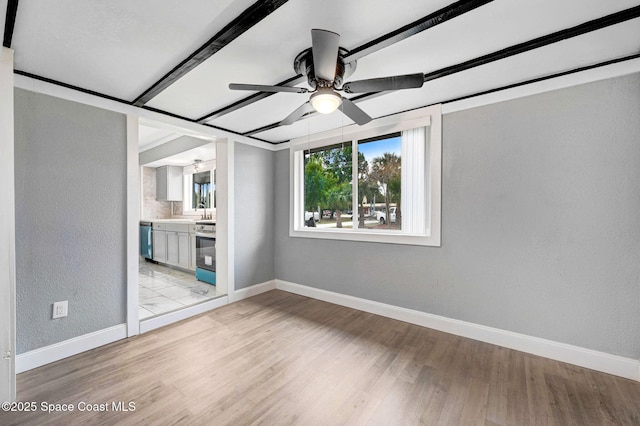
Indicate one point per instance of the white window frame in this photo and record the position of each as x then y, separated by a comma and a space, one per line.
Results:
187, 182
429, 117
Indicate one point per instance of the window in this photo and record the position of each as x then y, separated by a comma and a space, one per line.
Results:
379, 182
199, 190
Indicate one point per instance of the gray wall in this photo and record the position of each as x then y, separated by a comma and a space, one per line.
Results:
70, 170
540, 227
254, 215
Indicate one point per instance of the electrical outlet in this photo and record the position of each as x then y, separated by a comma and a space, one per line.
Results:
60, 309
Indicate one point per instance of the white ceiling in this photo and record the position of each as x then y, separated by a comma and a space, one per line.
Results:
120, 48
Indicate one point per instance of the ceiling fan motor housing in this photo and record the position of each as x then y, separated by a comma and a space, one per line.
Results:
303, 64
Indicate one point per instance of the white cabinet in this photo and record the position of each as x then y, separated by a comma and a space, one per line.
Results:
183, 250
169, 183
159, 243
175, 244
172, 248
176, 250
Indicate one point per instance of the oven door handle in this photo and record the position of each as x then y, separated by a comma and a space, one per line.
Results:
208, 235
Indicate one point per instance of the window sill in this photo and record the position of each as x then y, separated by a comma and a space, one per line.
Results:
369, 237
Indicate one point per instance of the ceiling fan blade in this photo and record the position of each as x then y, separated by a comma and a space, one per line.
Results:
297, 114
324, 47
264, 88
354, 112
409, 81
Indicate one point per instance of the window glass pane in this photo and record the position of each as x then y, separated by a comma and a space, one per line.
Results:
380, 183
201, 190
328, 192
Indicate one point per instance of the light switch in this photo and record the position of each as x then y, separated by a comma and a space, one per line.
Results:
60, 309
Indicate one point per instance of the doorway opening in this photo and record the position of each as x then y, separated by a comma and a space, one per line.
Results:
177, 220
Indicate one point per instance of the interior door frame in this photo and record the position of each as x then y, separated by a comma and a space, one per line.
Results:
134, 189
224, 218
7, 232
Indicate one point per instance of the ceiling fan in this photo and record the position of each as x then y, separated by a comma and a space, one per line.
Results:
325, 68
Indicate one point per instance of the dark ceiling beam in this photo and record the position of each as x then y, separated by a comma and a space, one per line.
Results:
438, 17
246, 20
70, 86
249, 100
584, 28
10, 22
587, 27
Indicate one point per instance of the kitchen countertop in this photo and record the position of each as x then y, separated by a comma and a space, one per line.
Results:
182, 220
170, 220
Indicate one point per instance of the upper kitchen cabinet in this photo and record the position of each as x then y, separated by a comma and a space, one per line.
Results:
169, 183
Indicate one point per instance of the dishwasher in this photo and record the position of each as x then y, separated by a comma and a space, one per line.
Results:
146, 240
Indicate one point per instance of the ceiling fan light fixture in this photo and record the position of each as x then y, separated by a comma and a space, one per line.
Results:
325, 101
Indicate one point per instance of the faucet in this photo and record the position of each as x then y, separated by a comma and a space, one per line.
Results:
204, 206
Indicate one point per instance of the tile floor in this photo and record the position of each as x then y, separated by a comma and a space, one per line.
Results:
163, 289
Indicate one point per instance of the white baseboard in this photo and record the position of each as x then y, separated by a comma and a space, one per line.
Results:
189, 311
254, 290
39, 357
588, 358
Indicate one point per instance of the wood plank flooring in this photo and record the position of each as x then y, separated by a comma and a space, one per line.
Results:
279, 359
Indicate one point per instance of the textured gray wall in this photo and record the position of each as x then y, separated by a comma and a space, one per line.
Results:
540, 227
70, 218
254, 216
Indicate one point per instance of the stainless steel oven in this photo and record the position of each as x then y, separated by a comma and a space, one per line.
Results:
206, 252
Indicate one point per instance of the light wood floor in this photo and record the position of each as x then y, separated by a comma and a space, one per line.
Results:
279, 358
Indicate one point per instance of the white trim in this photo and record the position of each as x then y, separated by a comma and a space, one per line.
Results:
7, 230
225, 229
254, 290
34, 85
39, 357
600, 361
187, 312
133, 225
3, 18
370, 236
562, 82
429, 117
